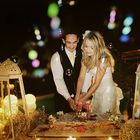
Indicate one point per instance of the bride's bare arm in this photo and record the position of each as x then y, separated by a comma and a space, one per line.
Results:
80, 81
99, 75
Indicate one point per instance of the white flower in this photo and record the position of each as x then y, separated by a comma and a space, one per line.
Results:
85, 34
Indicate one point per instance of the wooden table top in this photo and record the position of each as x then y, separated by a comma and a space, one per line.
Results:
99, 129
77, 138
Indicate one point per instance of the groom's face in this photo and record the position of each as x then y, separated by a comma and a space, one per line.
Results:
71, 41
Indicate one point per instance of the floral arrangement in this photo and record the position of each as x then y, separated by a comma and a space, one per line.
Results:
85, 34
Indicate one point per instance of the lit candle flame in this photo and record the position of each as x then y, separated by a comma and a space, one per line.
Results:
71, 138
110, 138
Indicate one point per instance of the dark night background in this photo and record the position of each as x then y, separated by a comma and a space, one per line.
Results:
18, 17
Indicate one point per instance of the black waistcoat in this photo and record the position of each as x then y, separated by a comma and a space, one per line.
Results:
70, 73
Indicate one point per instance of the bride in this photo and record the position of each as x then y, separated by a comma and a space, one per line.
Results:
95, 77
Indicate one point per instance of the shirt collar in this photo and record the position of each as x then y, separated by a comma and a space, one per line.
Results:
68, 52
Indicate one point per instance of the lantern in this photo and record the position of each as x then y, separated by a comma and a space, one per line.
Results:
11, 81
136, 106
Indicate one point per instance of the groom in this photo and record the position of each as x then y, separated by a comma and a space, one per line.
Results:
66, 71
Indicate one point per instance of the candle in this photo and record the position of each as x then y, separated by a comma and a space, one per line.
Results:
13, 100
1, 114
10, 107
31, 103
110, 138
14, 110
71, 138
2, 125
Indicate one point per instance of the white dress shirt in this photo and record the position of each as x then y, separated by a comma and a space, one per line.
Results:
57, 71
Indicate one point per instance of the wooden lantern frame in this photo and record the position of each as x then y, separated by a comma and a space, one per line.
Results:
136, 104
8, 71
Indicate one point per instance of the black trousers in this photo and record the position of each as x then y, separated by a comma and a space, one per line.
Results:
61, 104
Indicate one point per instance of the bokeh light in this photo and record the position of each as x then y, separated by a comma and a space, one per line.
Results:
38, 73
57, 33
35, 63
55, 22
53, 10
60, 4
126, 30
38, 37
32, 54
111, 26
40, 43
128, 21
124, 38
36, 32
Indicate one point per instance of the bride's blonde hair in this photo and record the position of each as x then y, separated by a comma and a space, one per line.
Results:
99, 48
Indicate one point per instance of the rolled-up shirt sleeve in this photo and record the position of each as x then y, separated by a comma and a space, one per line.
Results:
57, 72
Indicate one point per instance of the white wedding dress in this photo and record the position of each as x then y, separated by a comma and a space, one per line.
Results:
105, 98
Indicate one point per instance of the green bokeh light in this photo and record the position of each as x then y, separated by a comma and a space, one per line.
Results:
53, 10
32, 54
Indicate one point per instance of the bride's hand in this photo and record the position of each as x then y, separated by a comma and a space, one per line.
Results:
82, 99
81, 95
76, 99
